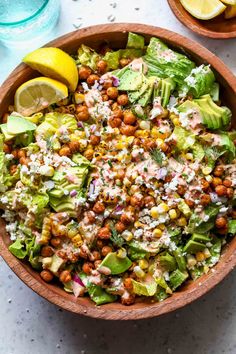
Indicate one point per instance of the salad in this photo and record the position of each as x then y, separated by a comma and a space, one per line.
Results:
126, 187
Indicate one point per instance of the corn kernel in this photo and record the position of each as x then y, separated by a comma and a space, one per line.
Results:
145, 125
206, 170
162, 208
154, 132
209, 178
189, 156
191, 261
143, 264
207, 253
121, 253
127, 235
162, 226
46, 171
181, 221
173, 214
141, 133
206, 269
76, 238
138, 224
139, 272
154, 212
200, 256
79, 97
173, 116
157, 233
176, 121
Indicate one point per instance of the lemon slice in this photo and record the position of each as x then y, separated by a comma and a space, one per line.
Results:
229, 2
54, 63
230, 12
37, 94
203, 9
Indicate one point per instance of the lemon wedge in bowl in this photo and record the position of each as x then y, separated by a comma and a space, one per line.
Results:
203, 9
54, 63
37, 94
229, 2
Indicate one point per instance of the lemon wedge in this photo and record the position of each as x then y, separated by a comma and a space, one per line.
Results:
203, 9
229, 2
230, 12
37, 94
54, 63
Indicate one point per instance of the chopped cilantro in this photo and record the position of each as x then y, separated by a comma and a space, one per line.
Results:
115, 237
109, 163
145, 169
157, 156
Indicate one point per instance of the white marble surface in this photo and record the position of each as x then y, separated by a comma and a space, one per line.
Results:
29, 324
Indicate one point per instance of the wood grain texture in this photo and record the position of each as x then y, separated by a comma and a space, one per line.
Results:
116, 34
217, 28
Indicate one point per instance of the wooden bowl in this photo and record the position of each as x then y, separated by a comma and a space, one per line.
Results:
116, 34
217, 28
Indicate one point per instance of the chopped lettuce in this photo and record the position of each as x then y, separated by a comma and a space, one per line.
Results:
18, 249
232, 227
199, 82
135, 41
87, 56
197, 223
166, 63
177, 278
184, 138
54, 121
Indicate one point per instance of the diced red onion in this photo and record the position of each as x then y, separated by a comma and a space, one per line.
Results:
80, 124
78, 280
73, 193
78, 289
93, 128
115, 81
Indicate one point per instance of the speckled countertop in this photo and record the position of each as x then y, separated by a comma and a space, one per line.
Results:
29, 324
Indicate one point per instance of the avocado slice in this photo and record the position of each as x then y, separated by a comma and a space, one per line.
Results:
115, 264
193, 247
147, 287
56, 264
5, 132
168, 262
177, 278
146, 97
135, 95
130, 81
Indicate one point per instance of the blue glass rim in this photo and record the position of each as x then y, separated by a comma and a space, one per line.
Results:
27, 18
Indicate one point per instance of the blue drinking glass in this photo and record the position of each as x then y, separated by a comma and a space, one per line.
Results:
23, 20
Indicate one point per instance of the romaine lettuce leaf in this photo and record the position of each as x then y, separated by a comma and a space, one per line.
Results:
232, 227
53, 121
87, 56
135, 41
199, 82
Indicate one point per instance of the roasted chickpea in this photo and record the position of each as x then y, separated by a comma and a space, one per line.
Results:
221, 222
46, 251
230, 193
190, 203
97, 263
55, 241
84, 72
234, 214
205, 199
105, 98
62, 254
21, 153
15, 153
134, 201
82, 113
65, 276
95, 140
96, 255
107, 83
115, 106
129, 118
181, 190
83, 254
227, 182
128, 283
165, 147
112, 92
13, 169
118, 113
127, 130
65, 151
223, 231
104, 233
89, 154
101, 66
124, 61
216, 181
120, 174
91, 216
126, 218
221, 190
204, 184
99, 207
24, 161
123, 99
218, 171
100, 243
46, 275
4, 118
120, 227
87, 267
92, 79
6, 149
128, 300
149, 201
115, 122
106, 250
149, 144
74, 146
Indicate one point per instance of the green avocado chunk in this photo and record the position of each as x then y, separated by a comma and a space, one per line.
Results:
168, 262
99, 295
147, 287
177, 278
193, 247
130, 81
115, 264
56, 264
180, 259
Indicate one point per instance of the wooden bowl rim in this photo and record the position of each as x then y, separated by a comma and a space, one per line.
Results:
176, 301
195, 28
